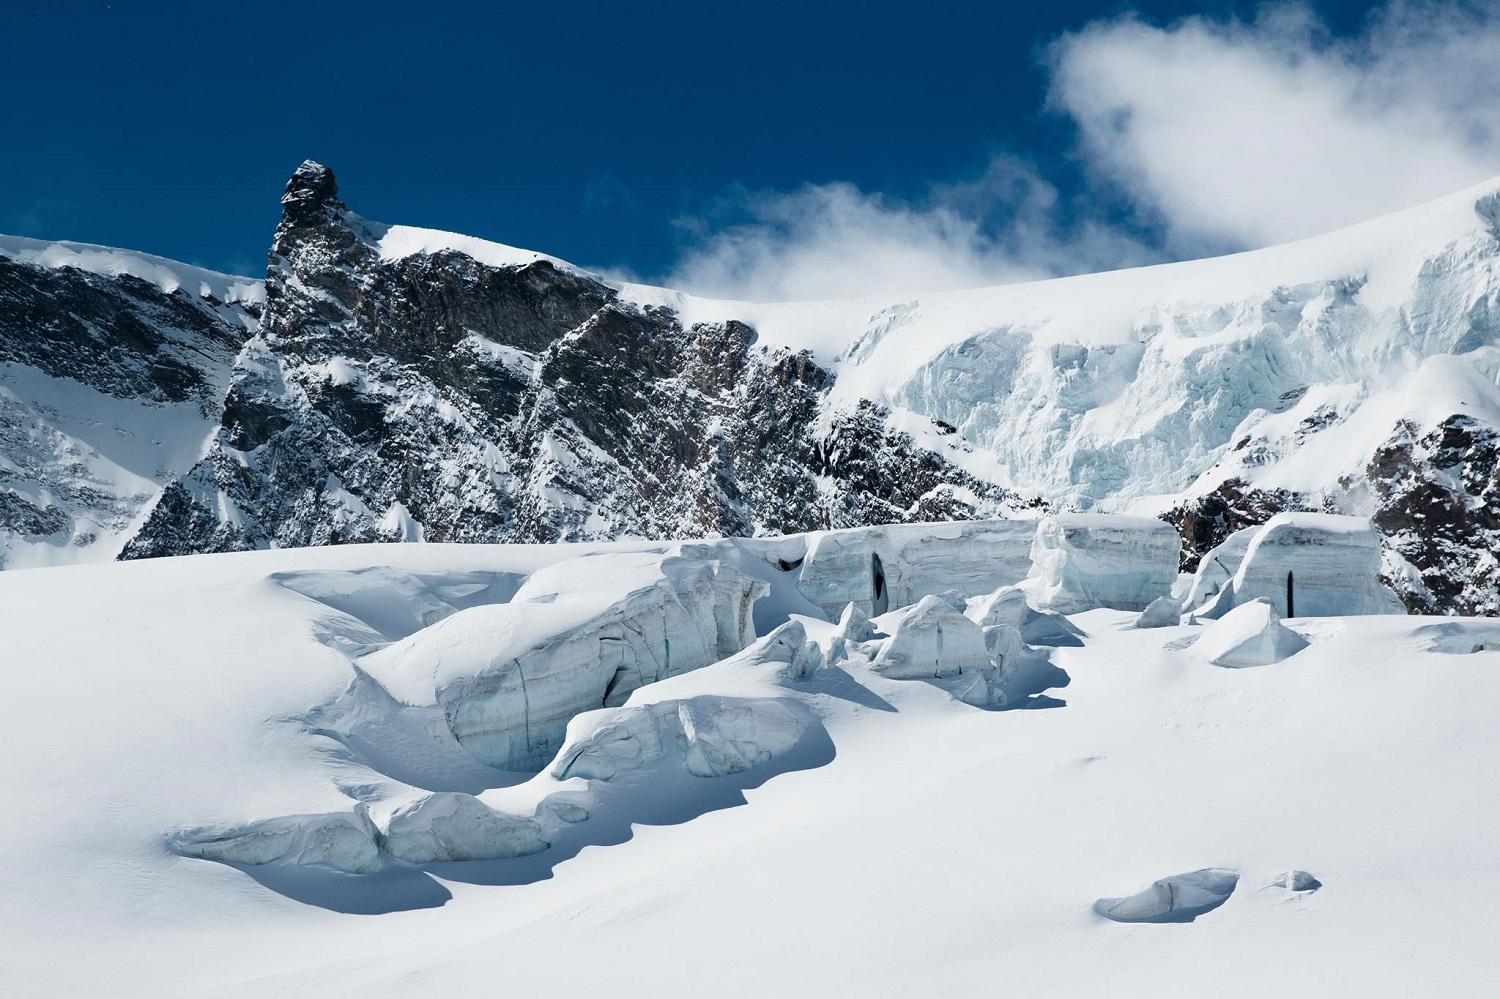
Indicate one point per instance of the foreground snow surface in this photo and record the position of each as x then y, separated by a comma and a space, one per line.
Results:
934, 848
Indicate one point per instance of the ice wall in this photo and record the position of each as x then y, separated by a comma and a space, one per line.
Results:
1330, 564
1080, 561
578, 635
880, 568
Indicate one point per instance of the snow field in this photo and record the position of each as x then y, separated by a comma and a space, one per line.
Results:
215, 709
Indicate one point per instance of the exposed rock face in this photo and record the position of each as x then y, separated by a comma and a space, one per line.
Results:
1206, 521
434, 396
112, 369
1439, 508
122, 335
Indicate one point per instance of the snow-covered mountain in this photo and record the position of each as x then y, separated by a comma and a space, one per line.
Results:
113, 369
408, 384
412, 385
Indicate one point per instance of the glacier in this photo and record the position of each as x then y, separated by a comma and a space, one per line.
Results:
279, 726
578, 634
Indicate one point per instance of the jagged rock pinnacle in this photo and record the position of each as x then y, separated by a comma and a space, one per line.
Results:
310, 194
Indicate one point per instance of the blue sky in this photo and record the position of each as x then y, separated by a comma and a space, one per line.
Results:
748, 148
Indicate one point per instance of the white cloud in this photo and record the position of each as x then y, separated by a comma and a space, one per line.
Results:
834, 240
1212, 135
1264, 132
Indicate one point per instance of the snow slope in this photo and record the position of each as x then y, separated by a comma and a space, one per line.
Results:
1125, 387
918, 845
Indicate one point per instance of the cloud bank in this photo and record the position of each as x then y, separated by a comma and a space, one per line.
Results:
834, 240
1271, 131
1212, 134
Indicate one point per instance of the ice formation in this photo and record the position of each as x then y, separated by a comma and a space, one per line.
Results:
1250, 635
1462, 637
1306, 565
1006, 605
933, 640
1296, 881
577, 635
789, 643
725, 735
340, 841
1325, 565
1163, 612
715, 736
882, 568
1080, 561
449, 825
1180, 898
1217, 568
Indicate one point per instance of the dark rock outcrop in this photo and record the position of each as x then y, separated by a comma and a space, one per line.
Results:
94, 355
1439, 509
435, 395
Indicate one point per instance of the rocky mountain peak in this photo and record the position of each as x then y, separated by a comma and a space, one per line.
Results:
311, 196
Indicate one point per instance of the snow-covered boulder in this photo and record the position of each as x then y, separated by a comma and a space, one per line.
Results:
579, 634
1082, 560
1325, 565
449, 825
1250, 635
933, 640
1163, 612
1180, 898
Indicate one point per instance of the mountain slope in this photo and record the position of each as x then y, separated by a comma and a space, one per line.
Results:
113, 367
401, 389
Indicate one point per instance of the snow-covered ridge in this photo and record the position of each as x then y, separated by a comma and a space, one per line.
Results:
168, 275
398, 242
1386, 254
1332, 374
1131, 389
